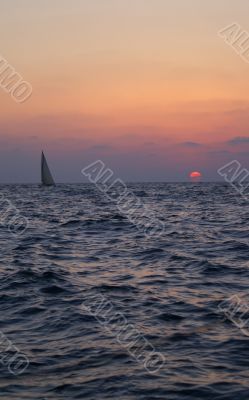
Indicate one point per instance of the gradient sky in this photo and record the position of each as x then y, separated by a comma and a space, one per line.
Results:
147, 86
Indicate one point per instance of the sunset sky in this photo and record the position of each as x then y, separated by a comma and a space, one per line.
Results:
147, 86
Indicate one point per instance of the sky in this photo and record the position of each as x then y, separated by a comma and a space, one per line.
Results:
146, 86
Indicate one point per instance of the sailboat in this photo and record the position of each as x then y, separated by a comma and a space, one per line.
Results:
46, 176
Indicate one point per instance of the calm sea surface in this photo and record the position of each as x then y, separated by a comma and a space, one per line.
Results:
78, 247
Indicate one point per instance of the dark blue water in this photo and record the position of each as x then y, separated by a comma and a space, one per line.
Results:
78, 245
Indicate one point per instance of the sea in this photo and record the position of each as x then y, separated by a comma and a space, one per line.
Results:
93, 308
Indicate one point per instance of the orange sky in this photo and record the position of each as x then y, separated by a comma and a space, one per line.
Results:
139, 79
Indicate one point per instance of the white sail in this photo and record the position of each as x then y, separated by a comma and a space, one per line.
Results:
46, 176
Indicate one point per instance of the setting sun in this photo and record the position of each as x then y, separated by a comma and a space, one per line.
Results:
195, 176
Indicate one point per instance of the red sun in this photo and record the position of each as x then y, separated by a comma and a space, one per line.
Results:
195, 176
